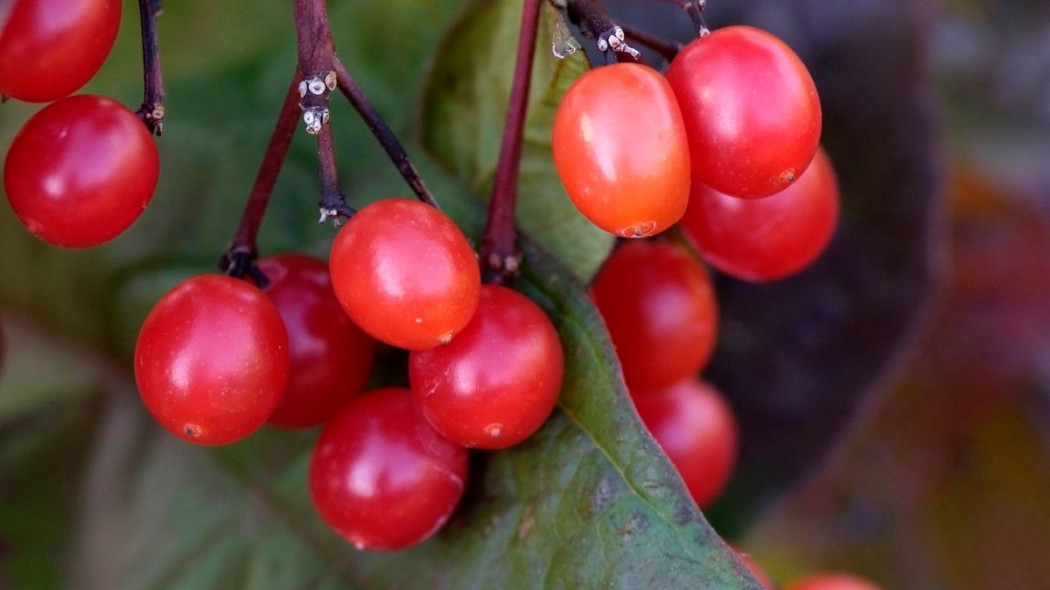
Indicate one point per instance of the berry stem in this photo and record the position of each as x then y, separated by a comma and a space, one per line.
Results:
695, 10
314, 41
667, 49
333, 203
316, 62
152, 110
239, 258
394, 150
499, 253
608, 36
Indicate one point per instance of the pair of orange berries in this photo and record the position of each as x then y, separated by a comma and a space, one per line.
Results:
735, 121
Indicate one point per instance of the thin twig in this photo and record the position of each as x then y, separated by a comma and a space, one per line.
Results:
595, 24
667, 49
152, 110
499, 253
394, 150
239, 258
333, 203
316, 63
695, 10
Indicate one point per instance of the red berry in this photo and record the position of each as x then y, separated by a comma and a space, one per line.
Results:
769, 238
381, 477
661, 312
621, 151
498, 380
331, 358
81, 171
50, 48
405, 274
751, 111
211, 360
832, 581
696, 429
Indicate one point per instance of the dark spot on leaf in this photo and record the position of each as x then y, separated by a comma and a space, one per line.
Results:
636, 525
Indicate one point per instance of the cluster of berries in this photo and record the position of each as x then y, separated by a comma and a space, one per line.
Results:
217, 358
726, 146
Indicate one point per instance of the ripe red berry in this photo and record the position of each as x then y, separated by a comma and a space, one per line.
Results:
620, 148
770, 238
498, 380
50, 48
405, 274
661, 312
331, 358
751, 111
381, 477
81, 171
832, 581
211, 360
696, 429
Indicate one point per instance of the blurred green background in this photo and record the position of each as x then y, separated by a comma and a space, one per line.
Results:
895, 400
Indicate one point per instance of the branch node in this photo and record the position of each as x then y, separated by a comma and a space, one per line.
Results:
240, 261
695, 10
335, 211
152, 110
313, 100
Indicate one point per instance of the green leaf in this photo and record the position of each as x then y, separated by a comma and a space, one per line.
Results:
464, 105
160, 514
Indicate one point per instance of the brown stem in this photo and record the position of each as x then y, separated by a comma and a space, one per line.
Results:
315, 38
394, 150
239, 258
667, 49
595, 24
152, 110
499, 253
316, 64
333, 203
695, 10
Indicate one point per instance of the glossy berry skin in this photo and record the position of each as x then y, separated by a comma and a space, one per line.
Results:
620, 149
81, 171
771, 238
661, 312
211, 360
498, 380
832, 581
405, 274
696, 429
331, 358
381, 477
50, 48
751, 111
